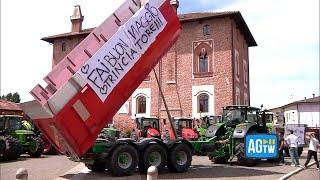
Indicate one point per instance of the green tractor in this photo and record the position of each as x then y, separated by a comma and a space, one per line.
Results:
17, 137
225, 139
205, 123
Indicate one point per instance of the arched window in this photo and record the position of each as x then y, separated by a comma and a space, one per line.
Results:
141, 104
203, 61
203, 103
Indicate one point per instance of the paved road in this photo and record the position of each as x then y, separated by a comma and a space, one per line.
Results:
60, 168
46, 167
203, 169
310, 173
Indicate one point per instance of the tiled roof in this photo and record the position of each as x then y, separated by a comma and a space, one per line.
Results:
304, 101
310, 100
50, 39
236, 15
7, 105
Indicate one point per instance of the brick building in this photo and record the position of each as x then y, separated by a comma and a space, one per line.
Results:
206, 69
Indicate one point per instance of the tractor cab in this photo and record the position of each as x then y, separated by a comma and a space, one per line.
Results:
184, 128
245, 119
206, 122
234, 115
15, 124
148, 127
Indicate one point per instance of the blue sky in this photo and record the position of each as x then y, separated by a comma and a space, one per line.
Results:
283, 67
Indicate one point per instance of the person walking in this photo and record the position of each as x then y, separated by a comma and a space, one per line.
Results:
292, 142
281, 148
313, 147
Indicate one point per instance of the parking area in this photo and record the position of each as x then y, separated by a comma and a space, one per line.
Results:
59, 167
203, 168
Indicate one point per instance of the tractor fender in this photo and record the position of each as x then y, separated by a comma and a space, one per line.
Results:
212, 130
142, 144
241, 131
171, 144
121, 141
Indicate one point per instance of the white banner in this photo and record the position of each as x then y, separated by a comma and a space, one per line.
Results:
297, 130
104, 70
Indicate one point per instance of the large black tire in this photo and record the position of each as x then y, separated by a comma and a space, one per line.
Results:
153, 155
38, 150
96, 166
118, 166
179, 158
242, 160
13, 148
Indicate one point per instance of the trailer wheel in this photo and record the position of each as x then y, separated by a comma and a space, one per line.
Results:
153, 155
124, 160
96, 166
242, 160
180, 158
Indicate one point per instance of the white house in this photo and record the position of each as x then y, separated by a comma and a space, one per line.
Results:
305, 111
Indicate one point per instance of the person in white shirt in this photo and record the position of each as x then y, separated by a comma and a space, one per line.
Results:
313, 147
292, 142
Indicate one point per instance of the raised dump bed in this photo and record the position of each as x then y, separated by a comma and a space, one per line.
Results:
91, 83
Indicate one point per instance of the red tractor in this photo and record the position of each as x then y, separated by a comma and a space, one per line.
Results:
184, 128
148, 127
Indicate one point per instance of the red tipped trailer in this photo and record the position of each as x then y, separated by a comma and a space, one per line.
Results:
86, 89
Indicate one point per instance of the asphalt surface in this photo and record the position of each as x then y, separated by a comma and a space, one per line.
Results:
43, 168
202, 168
60, 167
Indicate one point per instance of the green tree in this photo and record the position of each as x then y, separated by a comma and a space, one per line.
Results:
15, 97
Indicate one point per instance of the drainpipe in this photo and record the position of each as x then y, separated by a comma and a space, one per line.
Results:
232, 65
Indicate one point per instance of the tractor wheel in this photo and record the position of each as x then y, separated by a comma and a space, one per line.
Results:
10, 148
242, 160
35, 148
124, 160
180, 158
153, 155
220, 160
13, 149
96, 166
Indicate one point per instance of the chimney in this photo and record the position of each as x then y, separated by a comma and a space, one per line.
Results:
175, 4
313, 95
305, 98
76, 19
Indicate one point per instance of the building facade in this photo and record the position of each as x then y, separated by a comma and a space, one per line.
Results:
306, 111
206, 69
